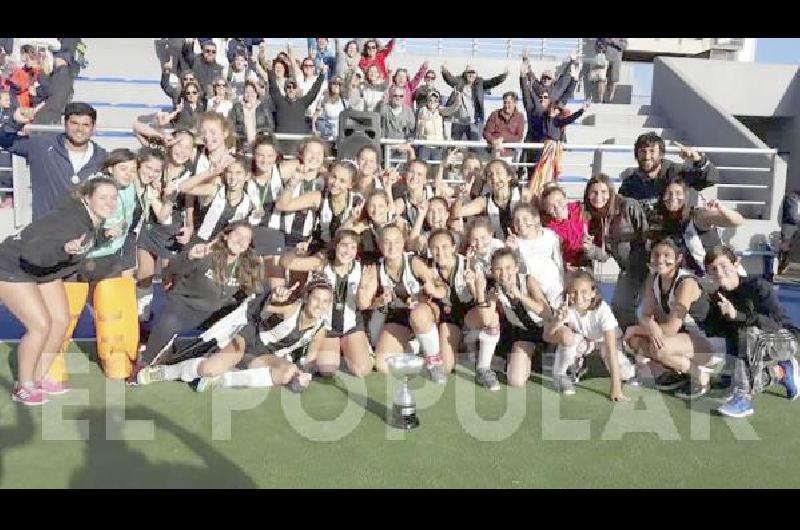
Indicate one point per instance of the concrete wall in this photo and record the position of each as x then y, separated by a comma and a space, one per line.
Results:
748, 89
690, 101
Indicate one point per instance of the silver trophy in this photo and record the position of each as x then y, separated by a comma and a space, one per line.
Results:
404, 408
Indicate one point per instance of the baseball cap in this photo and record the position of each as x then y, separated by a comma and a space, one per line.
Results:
469, 69
548, 74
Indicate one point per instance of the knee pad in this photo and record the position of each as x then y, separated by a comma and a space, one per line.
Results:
76, 299
117, 323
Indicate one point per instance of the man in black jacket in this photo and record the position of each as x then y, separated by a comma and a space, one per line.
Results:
205, 66
470, 123
290, 110
646, 183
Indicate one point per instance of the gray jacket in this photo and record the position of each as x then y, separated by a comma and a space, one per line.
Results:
622, 236
400, 127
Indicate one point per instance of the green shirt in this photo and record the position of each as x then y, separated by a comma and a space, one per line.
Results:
126, 204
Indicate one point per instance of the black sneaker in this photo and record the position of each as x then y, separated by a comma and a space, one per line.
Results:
670, 380
691, 390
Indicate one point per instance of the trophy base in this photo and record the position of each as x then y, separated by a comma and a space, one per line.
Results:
403, 419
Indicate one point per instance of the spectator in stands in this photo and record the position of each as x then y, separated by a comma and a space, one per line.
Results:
558, 89
238, 73
421, 94
321, 54
646, 183
185, 114
329, 108
369, 94
279, 66
251, 116
467, 123
306, 78
505, 125
612, 50
25, 76
6, 118
52, 89
347, 60
430, 124
400, 79
374, 55
60, 161
242, 44
290, 109
397, 118
221, 99
174, 93
205, 66
789, 218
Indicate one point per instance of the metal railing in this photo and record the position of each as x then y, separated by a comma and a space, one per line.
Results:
491, 48
596, 166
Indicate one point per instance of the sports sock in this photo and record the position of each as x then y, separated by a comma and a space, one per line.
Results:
487, 342
429, 344
251, 378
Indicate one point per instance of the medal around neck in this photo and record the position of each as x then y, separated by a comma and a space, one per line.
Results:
404, 408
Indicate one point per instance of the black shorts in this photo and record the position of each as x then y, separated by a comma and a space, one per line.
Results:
398, 315
453, 314
254, 348
359, 326
510, 334
160, 240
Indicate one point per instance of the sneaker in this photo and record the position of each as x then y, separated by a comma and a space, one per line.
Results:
207, 383
28, 396
790, 377
52, 388
691, 390
633, 381
739, 406
563, 385
151, 374
579, 369
436, 371
487, 378
670, 380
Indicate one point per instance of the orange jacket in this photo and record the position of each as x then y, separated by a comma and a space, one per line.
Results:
22, 79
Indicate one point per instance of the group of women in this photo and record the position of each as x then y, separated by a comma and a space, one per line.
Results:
299, 266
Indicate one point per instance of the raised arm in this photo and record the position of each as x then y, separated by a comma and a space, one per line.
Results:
309, 98
488, 84
714, 214
414, 83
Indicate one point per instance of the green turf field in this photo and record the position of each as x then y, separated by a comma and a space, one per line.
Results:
286, 440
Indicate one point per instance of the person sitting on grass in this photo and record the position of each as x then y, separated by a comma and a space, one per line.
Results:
280, 344
747, 313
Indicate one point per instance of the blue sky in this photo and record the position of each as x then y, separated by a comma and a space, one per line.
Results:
784, 51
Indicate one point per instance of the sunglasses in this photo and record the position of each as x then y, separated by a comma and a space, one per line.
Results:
372, 47
211, 51
288, 87
308, 66
398, 96
430, 79
193, 93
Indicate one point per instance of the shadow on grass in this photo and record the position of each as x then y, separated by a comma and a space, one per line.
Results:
112, 463
18, 434
367, 403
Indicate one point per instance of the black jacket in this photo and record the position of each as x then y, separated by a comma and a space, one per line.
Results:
57, 91
205, 72
756, 304
195, 283
540, 126
264, 121
39, 249
637, 185
290, 116
478, 89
